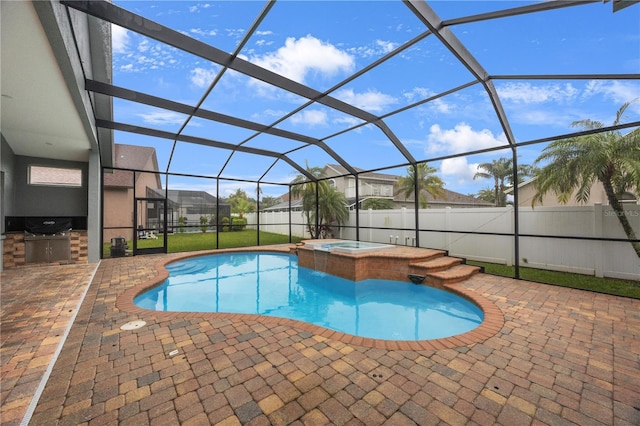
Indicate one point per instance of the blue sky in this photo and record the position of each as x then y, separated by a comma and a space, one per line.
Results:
320, 44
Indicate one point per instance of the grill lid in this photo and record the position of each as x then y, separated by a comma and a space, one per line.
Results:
47, 225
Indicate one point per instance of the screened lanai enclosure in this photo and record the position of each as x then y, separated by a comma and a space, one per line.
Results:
449, 111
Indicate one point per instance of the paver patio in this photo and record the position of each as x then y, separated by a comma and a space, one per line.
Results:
563, 356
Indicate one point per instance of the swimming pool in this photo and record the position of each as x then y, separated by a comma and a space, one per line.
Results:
272, 284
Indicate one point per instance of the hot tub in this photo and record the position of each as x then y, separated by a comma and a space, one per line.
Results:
347, 246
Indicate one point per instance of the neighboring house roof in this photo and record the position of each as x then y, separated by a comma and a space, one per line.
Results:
339, 171
186, 197
192, 198
449, 197
284, 206
130, 157
521, 184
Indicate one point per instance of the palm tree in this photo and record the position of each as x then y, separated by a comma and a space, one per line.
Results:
377, 204
241, 203
332, 205
500, 170
487, 194
524, 171
333, 209
575, 163
425, 179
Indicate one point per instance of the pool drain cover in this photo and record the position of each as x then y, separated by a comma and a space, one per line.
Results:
133, 325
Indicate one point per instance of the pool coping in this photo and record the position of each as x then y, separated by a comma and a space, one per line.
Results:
490, 326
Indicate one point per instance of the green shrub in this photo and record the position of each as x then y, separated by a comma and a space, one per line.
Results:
225, 224
182, 221
238, 223
203, 223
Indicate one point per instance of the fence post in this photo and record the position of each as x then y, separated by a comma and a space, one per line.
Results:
447, 228
598, 217
511, 260
404, 223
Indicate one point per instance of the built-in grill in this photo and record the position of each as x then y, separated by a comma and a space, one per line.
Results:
47, 239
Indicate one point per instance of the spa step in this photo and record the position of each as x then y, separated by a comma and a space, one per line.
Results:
452, 275
440, 263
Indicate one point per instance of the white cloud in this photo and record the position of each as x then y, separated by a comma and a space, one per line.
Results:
162, 117
203, 33
379, 48
196, 9
300, 57
143, 46
458, 168
437, 106
417, 93
201, 77
310, 117
618, 91
386, 46
527, 93
543, 117
268, 113
349, 121
371, 100
440, 106
462, 138
138, 54
119, 39
235, 32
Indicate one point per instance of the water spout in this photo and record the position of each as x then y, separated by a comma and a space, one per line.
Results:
416, 279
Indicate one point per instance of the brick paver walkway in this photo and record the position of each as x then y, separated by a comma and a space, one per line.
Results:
563, 356
37, 304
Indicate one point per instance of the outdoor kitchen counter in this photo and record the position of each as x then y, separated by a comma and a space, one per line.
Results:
14, 253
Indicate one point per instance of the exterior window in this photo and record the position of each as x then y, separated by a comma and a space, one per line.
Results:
54, 176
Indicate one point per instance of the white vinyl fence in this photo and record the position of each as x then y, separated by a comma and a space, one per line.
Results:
599, 258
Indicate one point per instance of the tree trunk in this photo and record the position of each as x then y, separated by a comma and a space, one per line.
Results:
311, 227
620, 214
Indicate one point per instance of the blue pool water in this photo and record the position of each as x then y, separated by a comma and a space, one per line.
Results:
273, 284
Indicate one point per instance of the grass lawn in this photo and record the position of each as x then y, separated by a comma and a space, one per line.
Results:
206, 241
585, 282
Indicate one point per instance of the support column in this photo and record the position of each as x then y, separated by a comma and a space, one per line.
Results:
94, 207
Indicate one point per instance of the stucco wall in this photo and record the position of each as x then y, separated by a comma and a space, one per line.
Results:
527, 192
118, 212
40, 200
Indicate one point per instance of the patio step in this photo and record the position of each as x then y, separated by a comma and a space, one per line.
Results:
437, 264
443, 270
452, 275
